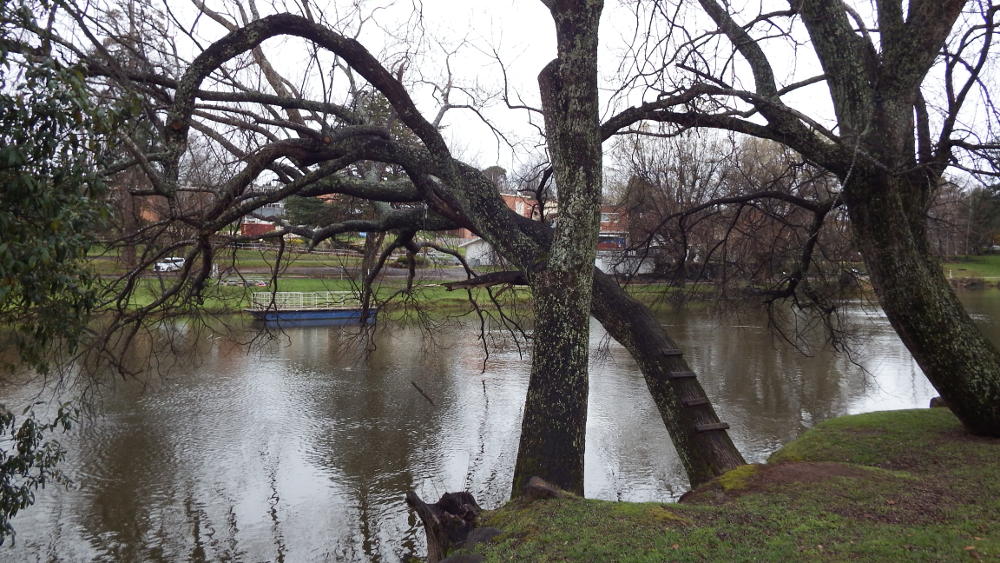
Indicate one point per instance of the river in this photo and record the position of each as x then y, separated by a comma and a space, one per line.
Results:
301, 448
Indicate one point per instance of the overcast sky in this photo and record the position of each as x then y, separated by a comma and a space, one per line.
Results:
521, 33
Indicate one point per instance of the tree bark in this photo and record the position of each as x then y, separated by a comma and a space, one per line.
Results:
553, 427
555, 411
921, 306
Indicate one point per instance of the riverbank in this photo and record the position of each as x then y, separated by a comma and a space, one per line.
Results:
890, 486
430, 293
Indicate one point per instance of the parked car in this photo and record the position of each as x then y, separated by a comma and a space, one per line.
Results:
172, 264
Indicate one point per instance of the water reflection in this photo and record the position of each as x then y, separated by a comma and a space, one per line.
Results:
302, 449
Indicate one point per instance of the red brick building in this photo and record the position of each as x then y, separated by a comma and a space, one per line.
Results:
522, 205
614, 228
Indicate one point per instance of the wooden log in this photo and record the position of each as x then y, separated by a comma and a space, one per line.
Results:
452, 522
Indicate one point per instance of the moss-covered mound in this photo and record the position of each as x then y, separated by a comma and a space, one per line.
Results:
888, 486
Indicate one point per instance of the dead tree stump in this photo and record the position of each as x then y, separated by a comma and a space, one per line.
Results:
447, 523
450, 523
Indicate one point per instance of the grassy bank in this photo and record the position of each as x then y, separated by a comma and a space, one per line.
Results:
107, 262
987, 266
889, 486
220, 298
232, 299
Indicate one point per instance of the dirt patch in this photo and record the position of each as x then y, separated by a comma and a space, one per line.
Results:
962, 436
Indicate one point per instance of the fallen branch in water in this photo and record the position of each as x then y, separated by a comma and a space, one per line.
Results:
421, 391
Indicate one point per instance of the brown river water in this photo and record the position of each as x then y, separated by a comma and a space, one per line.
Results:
302, 448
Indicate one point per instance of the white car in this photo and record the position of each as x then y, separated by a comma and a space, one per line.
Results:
172, 264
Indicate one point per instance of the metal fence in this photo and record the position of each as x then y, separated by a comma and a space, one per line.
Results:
297, 300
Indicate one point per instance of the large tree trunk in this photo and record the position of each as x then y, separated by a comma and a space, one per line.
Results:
555, 411
887, 186
958, 360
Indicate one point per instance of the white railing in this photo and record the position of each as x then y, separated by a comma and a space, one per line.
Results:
294, 300
264, 247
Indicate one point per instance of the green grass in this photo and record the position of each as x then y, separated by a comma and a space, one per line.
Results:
883, 439
105, 262
265, 259
220, 298
894, 486
987, 266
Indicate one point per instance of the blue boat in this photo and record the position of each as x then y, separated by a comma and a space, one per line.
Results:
318, 308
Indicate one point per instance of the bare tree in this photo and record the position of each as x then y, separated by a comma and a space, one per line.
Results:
311, 138
307, 132
687, 196
902, 79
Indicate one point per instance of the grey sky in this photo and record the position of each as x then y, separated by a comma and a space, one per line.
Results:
521, 33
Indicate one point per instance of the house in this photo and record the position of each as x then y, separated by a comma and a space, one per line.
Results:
519, 203
478, 252
614, 228
612, 241
254, 227
625, 262
262, 221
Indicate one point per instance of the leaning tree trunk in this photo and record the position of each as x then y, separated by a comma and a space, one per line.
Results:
701, 440
958, 360
555, 411
888, 177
